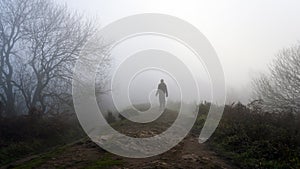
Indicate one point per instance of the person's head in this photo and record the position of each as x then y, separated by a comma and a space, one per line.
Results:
161, 80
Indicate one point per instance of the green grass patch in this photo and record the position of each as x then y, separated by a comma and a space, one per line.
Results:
105, 162
36, 162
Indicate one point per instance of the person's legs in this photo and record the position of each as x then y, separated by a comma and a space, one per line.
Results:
162, 102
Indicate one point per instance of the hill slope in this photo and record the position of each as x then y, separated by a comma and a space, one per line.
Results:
86, 154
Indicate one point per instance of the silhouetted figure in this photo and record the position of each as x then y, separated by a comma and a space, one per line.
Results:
162, 93
110, 117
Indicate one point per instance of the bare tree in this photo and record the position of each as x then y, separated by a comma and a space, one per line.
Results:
280, 90
40, 42
13, 15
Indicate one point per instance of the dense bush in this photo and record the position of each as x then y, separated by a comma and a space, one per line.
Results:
26, 135
256, 139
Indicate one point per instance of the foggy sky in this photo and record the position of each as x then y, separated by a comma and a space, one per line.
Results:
245, 34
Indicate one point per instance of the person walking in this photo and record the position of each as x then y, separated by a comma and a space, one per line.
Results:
162, 93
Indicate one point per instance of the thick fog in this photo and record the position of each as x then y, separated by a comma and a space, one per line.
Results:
245, 34
143, 84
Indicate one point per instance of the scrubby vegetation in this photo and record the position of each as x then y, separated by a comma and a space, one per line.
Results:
247, 137
253, 139
26, 135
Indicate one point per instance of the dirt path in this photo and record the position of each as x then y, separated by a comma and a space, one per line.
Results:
188, 154
86, 154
